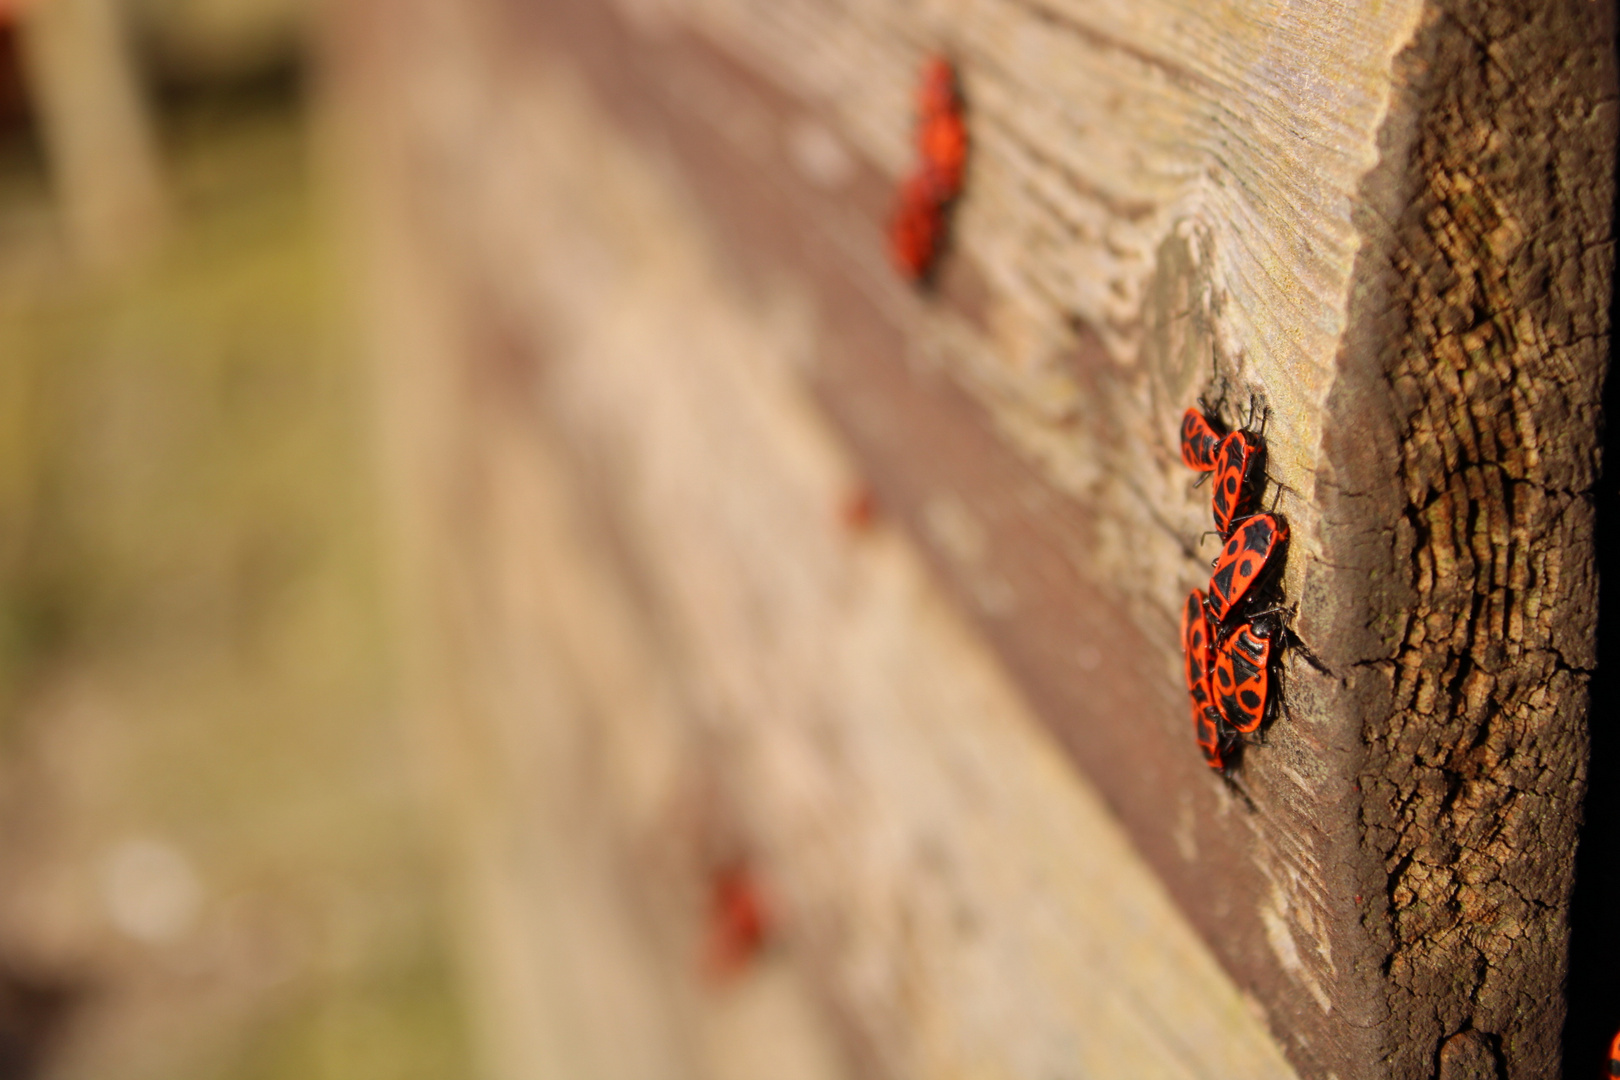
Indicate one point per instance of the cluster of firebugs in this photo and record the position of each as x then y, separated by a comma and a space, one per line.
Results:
1230, 648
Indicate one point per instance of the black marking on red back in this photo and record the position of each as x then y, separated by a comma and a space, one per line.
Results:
1241, 682
1249, 552
1197, 641
1198, 441
1215, 739
1239, 464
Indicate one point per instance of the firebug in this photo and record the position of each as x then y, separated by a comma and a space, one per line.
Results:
1198, 647
1241, 682
1197, 643
1250, 551
916, 229
738, 921
1215, 739
1198, 441
1239, 465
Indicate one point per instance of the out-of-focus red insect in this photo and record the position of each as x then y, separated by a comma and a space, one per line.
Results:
943, 141
738, 922
936, 91
916, 229
858, 509
916, 232
1614, 1055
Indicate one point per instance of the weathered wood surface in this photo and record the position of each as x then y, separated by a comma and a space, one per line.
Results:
1473, 370
1359, 216
962, 903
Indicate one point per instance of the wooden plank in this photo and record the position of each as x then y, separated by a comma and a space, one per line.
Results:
965, 901
1349, 215
1021, 555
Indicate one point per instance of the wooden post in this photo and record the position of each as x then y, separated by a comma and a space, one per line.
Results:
658, 229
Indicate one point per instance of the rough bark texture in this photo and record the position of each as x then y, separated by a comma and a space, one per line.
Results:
1476, 361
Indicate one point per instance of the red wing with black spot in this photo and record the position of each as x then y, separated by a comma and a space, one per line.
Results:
1213, 739
1238, 464
1243, 560
1197, 644
1242, 678
1198, 441
1198, 648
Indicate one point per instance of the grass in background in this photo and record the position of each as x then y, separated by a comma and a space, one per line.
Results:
191, 659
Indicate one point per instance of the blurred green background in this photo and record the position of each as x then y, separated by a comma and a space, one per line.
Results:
211, 860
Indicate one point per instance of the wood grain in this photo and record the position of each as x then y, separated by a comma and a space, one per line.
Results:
1353, 216
964, 900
